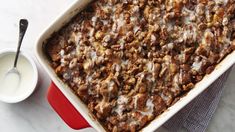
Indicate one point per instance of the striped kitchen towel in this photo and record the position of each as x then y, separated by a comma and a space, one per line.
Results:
196, 116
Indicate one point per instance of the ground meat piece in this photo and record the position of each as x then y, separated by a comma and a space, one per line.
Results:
159, 104
140, 101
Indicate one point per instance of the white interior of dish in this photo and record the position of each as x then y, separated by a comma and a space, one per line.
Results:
82, 108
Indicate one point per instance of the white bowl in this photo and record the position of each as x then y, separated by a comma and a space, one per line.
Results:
25, 92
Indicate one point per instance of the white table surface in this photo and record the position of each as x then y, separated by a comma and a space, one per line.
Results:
35, 114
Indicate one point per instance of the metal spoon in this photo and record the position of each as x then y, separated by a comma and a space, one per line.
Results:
23, 24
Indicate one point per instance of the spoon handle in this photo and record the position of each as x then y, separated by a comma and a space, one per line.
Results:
23, 24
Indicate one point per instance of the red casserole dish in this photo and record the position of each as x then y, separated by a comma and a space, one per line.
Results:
75, 113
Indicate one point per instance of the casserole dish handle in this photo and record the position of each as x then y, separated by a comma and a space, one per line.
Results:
65, 109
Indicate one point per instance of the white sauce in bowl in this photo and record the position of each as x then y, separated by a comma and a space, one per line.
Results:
11, 86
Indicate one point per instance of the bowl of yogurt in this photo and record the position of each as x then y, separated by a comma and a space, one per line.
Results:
13, 88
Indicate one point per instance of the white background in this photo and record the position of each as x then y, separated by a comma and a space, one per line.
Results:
35, 114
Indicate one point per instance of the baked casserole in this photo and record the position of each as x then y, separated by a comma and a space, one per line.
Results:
129, 60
